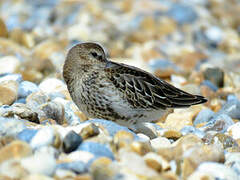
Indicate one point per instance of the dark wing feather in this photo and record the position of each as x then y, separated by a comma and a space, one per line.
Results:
144, 90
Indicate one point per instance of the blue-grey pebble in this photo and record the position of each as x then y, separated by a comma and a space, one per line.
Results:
71, 141
182, 13
210, 85
192, 130
10, 126
75, 166
231, 107
203, 116
219, 123
99, 150
26, 88
27, 134
112, 127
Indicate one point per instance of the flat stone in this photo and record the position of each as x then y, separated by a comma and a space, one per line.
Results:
215, 75
89, 131
15, 150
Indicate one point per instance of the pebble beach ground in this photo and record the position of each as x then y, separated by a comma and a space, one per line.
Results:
193, 45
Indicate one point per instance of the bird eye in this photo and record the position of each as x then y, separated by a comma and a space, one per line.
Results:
94, 54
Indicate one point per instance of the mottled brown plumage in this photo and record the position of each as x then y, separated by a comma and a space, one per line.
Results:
118, 92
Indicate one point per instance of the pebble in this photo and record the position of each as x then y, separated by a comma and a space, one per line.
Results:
71, 141
214, 35
25, 88
27, 134
156, 162
141, 148
37, 177
111, 127
3, 31
53, 110
77, 166
231, 108
160, 142
99, 150
89, 131
40, 163
234, 130
215, 75
45, 136
190, 129
15, 150
217, 170
182, 13
10, 126
203, 116
22, 111
52, 85
9, 64
8, 91
11, 77
219, 123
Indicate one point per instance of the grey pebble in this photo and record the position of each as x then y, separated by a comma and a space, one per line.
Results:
71, 141
25, 88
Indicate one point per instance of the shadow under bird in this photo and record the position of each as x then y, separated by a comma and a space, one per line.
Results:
119, 92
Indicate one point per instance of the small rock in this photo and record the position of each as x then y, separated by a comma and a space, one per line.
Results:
82, 156
10, 126
112, 127
160, 142
22, 111
89, 131
15, 150
194, 156
182, 13
40, 163
71, 141
156, 162
52, 85
217, 170
100, 169
224, 140
219, 123
9, 64
11, 77
214, 35
171, 134
215, 75
53, 110
234, 130
233, 161
27, 134
8, 91
12, 169
141, 148
135, 163
25, 88
99, 150
231, 108
76, 166
45, 136
190, 129
203, 116
3, 29
122, 139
